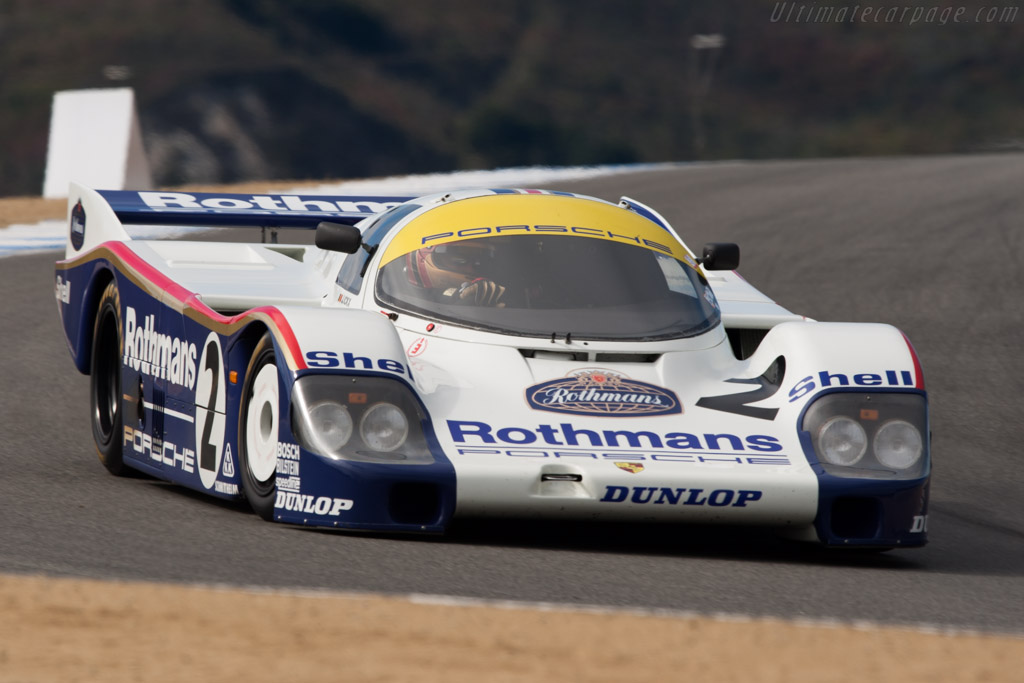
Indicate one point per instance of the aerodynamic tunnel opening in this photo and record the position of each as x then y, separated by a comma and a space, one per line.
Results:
856, 518
415, 503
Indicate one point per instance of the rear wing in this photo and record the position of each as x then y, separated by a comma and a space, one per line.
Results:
98, 216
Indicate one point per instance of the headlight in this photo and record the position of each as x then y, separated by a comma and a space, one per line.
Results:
843, 441
898, 445
330, 425
874, 436
384, 427
365, 419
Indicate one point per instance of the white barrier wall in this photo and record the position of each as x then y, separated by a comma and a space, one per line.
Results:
95, 140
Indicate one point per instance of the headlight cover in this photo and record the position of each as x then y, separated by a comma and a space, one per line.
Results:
384, 427
843, 441
876, 436
364, 419
898, 444
328, 424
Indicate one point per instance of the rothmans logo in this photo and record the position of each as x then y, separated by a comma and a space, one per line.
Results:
78, 226
604, 393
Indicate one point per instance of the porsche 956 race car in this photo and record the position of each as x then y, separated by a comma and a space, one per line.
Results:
482, 353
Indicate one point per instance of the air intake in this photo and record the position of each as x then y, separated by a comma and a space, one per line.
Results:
590, 356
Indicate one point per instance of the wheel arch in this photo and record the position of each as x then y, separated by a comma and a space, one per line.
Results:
238, 352
251, 345
103, 276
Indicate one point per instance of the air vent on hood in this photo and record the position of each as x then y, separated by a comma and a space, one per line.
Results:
590, 356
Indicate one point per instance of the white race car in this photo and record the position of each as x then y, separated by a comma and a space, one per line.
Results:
482, 353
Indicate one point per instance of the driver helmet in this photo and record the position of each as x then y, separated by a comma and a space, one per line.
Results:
449, 265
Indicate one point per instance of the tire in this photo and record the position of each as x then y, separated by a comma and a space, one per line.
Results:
258, 422
106, 408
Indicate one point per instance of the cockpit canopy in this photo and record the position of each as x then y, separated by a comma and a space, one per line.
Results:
549, 265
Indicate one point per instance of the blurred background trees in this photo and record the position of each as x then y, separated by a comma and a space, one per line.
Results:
232, 90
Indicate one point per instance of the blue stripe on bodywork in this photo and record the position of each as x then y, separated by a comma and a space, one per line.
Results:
130, 208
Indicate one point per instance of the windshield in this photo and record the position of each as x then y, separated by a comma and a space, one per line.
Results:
537, 284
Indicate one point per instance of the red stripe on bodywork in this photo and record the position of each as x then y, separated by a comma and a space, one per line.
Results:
148, 272
285, 330
189, 299
918, 373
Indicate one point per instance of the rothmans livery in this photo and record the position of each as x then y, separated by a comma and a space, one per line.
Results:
492, 353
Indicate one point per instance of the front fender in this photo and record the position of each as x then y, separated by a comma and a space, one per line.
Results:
822, 356
349, 493
868, 358
347, 340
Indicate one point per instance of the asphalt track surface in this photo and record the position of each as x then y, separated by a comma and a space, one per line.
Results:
932, 245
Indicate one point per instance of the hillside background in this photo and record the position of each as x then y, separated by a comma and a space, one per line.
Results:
234, 90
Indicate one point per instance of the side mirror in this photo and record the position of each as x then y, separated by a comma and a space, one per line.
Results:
720, 256
338, 237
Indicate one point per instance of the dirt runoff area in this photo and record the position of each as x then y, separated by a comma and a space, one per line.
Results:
83, 630
15, 210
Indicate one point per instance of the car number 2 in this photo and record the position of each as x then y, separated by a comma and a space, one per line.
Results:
210, 420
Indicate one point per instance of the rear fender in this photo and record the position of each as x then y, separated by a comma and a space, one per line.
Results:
78, 291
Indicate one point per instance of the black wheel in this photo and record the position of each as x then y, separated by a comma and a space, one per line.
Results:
105, 387
257, 429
